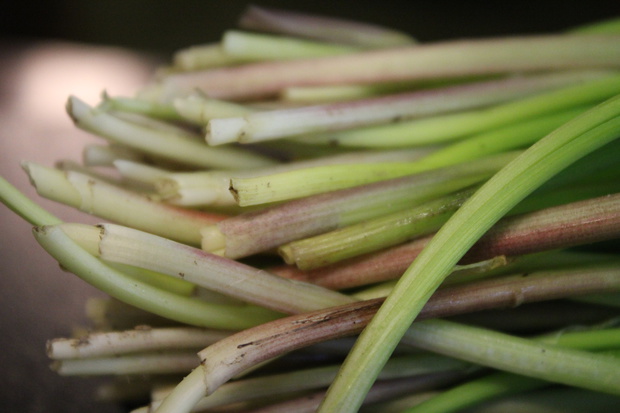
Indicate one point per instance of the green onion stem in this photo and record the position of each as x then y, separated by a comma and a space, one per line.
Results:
381, 391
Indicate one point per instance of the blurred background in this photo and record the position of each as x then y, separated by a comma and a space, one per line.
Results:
51, 49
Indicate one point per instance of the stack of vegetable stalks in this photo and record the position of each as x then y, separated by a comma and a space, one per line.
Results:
306, 179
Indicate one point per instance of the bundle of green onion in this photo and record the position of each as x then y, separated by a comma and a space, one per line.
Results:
308, 179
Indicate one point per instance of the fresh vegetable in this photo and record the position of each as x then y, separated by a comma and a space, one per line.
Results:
274, 194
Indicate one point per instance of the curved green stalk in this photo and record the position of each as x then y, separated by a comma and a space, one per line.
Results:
514, 182
504, 384
130, 289
139, 294
23, 206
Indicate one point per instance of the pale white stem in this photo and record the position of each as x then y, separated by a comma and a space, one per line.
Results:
198, 188
448, 59
203, 57
213, 187
179, 146
135, 364
232, 278
200, 109
105, 155
324, 28
266, 125
132, 341
107, 176
315, 378
187, 393
139, 172
117, 204
257, 47
322, 94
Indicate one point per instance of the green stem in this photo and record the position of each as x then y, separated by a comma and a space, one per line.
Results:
563, 226
186, 310
105, 155
24, 207
211, 188
537, 165
314, 378
609, 26
133, 105
251, 47
236, 353
450, 127
321, 179
274, 124
504, 384
201, 57
262, 230
371, 235
117, 204
132, 247
200, 110
324, 94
